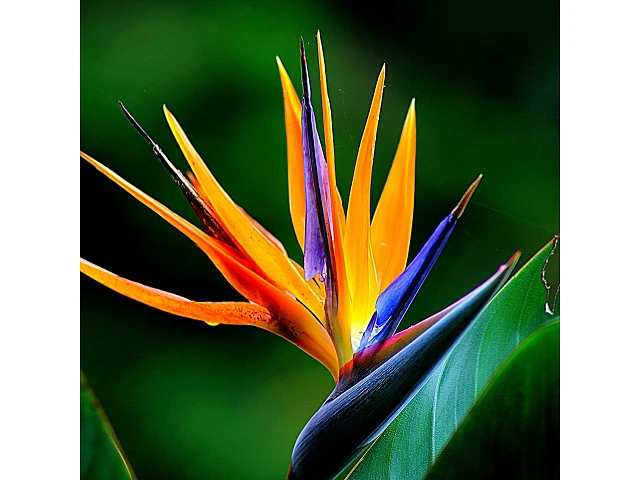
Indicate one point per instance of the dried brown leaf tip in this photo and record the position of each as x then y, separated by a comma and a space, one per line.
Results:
550, 303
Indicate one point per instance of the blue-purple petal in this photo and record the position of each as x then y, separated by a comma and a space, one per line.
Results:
394, 301
317, 246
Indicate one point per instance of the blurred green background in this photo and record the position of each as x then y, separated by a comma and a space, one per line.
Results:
190, 401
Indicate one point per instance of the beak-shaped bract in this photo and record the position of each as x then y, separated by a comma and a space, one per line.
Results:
355, 414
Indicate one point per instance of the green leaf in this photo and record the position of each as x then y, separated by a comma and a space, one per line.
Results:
101, 456
513, 430
413, 441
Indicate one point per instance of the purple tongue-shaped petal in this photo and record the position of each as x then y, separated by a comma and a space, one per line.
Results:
394, 301
317, 235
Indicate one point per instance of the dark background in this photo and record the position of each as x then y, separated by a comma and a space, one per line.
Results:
195, 402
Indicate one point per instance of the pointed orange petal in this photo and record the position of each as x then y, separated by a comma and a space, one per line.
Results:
337, 210
193, 233
267, 234
336, 201
266, 256
295, 159
238, 313
361, 273
391, 226
315, 341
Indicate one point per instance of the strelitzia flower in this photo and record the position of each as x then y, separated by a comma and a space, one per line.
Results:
344, 304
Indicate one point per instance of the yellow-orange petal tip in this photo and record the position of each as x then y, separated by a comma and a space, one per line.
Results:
464, 201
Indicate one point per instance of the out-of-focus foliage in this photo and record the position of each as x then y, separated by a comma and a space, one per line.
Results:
191, 401
101, 457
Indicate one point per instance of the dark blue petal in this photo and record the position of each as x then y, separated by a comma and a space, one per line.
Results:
394, 301
351, 419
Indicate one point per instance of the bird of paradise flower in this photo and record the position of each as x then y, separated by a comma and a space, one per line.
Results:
344, 304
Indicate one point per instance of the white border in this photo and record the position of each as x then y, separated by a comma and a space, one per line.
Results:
600, 352
39, 347
40, 232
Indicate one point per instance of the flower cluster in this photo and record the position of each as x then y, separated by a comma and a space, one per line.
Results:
344, 304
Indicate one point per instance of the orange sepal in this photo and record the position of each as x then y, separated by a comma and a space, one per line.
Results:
233, 313
391, 226
283, 318
361, 273
336, 202
343, 314
295, 158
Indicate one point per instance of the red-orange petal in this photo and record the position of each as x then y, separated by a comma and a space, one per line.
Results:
237, 313
281, 318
